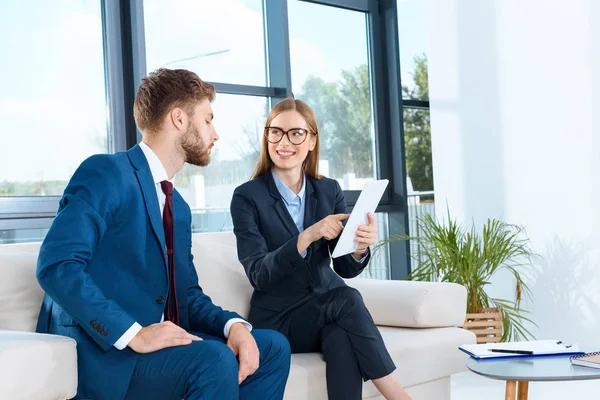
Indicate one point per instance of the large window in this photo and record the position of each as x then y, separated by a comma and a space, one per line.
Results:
413, 59
239, 121
330, 71
52, 96
415, 94
22, 235
417, 127
220, 54
75, 67
222, 41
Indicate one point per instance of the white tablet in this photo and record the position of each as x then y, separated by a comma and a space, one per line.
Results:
367, 203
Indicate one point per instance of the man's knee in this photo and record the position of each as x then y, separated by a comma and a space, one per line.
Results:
272, 344
213, 370
217, 359
218, 353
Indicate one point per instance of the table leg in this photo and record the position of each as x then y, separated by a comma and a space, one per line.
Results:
511, 388
523, 390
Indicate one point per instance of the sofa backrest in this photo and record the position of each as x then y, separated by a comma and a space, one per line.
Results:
20, 293
220, 274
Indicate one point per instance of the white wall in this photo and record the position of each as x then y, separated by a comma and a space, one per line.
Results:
515, 113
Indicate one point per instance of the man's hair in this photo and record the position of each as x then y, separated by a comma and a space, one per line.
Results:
165, 89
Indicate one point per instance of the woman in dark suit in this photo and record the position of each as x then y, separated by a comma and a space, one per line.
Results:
287, 220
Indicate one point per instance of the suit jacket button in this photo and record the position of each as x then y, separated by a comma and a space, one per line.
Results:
308, 289
160, 300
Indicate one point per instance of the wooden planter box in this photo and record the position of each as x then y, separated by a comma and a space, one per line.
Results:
487, 325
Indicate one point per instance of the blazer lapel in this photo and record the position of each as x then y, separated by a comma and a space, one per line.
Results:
283, 213
148, 187
310, 200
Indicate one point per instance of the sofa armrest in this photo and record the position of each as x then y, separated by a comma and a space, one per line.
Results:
37, 366
413, 304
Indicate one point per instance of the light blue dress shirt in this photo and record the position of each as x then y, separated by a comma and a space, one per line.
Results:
293, 202
295, 205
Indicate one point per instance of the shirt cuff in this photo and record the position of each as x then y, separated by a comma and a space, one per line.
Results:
233, 321
362, 260
306, 254
128, 336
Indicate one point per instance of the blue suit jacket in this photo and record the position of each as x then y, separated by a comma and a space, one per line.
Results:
267, 240
103, 266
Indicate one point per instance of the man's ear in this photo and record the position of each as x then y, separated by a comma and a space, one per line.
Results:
177, 118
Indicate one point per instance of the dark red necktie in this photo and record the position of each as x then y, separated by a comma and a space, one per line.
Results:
172, 311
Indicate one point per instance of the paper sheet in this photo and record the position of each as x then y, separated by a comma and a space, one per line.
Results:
539, 347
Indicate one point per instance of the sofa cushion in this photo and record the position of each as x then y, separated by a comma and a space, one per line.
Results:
423, 355
20, 293
413, 304
36, 366
220, 273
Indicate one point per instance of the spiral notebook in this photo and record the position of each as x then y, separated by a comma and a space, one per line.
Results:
587, 360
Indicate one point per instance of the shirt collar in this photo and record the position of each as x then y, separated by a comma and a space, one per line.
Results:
159, 173
286, 193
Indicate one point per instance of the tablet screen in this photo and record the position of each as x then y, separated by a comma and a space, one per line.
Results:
367, 203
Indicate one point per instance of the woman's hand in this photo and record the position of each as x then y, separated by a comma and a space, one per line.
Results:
366, 235
329, 228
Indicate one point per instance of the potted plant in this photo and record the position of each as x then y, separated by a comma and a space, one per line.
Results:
450, 253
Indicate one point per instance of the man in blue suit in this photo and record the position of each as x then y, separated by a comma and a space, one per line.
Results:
119, 276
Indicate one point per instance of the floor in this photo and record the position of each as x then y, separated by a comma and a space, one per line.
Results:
469, 386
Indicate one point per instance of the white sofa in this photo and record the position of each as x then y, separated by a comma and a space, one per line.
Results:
418, 322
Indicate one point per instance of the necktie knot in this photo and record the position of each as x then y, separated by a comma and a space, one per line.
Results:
167, 187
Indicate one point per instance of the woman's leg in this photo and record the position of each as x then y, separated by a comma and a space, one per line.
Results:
345, 306
317, 326
390, 388
344, 378
307, 332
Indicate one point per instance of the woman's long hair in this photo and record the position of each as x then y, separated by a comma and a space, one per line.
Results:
311, 163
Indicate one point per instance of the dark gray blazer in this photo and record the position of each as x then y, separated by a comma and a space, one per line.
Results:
267, 247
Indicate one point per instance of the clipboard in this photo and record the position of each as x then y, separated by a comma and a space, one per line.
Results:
538, 348
367, 203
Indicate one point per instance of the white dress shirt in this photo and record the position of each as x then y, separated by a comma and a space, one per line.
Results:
159, 174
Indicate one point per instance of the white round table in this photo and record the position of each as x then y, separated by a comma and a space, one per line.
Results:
523, 370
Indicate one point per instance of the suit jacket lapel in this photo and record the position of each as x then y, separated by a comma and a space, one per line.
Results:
310, 200
279, 206
149, 192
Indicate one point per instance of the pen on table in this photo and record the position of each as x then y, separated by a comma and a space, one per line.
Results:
511, 351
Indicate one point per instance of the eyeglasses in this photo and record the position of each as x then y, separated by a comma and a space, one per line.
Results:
295, 135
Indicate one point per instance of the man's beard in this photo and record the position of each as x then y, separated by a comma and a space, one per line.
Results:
196, 151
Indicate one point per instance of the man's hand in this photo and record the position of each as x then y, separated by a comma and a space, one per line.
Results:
244, 346
159, 336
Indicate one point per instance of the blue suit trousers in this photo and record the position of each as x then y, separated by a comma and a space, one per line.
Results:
208, 370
